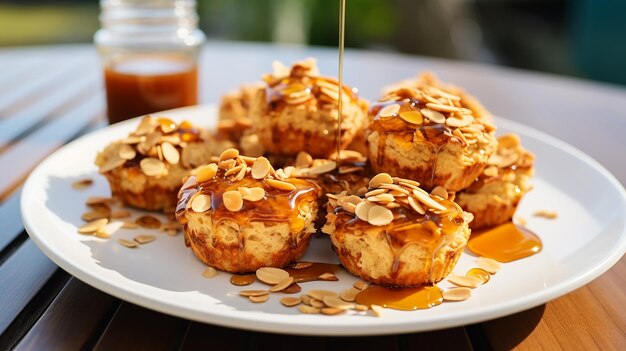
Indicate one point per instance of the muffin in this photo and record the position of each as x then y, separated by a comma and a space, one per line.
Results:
241, 214
397, 234
427, 79
234, 112
493, 196
297, 111
425, 134
146, 169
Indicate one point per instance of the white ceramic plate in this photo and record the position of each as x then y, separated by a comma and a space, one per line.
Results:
587, 239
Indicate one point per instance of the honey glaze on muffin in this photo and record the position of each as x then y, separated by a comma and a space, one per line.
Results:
427, 135
297, 111
397, 234
240, 214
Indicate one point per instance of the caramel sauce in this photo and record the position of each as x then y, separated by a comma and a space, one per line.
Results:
406, 299
277, 205
242, 279
138, 86
312, 272
479, 273
505, 243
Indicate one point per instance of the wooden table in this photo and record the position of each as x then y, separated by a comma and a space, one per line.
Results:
51, 95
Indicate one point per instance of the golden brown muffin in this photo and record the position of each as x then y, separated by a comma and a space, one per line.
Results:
426, 79
494, 195
297, 111
241, 214
397, 234
426, 135
234, 113
146, 169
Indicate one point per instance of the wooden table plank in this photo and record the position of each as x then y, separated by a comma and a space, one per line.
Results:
387, 342
44, 106
591, 317
42, 79
43, 141
136, 328
21, 277
72, 319
205, 336
447, 339
279, 342
10, 220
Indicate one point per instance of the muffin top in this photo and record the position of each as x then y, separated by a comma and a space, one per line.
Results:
155, 145
400, 208
246, 189
431, 114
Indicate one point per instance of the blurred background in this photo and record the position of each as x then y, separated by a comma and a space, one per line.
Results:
583, 38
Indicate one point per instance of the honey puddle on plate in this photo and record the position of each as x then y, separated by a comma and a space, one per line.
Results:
407, 299
505, 243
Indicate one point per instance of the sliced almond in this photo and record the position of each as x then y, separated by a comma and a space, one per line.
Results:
416, 206
360, 285
126, 152
378, 310
111, 164
207, 172
229, 154
283, 284
465, 281
442, 108
201, 203
413, 117
308, 309
323, 168
234, 170
320, 294
490, 265
491, 171
130, 225
152, 167
128, 243
380, 178
289, 301
328, 277
425, 198
361, 308
376, 192
233, 201
248, 293
92, 226
306, 299
384, 198
149, 222
379, 215
302, 265
120, 214
93, 215
144, 239
546, 214
440, 191
389, 110
362, 210
170, 153
82, 184
227, 164
457, 294
271, 275
292, 289
209, 272
109, 229
279, 184
433, 115
317, 303
303, 159
259, 299
479, 273
349, 294
336, 302
146, 125
261, 168
96, 200
253, 194
460, 121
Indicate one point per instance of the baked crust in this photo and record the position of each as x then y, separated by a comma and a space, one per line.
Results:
269, 231
495, 194
411, 249
297, 111
427, 135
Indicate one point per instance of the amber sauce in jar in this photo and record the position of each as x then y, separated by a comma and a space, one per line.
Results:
138, 86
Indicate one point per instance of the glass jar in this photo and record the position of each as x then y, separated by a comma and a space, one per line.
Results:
150, 53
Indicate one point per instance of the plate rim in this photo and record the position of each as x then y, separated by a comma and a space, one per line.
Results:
242, 320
